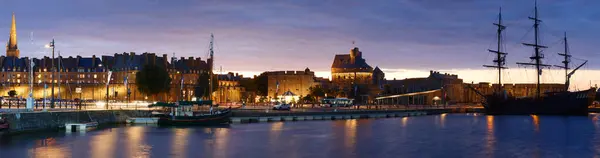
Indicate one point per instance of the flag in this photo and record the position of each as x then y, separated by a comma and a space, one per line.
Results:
108, 77
276, 86
181, 82
125, 81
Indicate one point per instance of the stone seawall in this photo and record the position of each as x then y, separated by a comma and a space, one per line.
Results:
35, 121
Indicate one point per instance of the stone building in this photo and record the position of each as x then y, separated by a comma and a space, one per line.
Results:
229, 89
437, 87
11, 47
352, 75
297, 82
441, 88
86, 78
517, 90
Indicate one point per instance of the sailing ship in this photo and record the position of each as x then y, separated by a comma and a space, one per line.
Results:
181, 113
550, 103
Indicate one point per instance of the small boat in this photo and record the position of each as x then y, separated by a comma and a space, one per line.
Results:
217, 118
181, 115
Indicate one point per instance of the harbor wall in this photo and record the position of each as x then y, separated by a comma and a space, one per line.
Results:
36, 121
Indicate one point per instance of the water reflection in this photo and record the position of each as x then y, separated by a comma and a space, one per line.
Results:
490, 138
536, 123
350, 140
49, 148
443, 120
135, 135
221, 140
103, 144
276, 128
180, 141
404, 121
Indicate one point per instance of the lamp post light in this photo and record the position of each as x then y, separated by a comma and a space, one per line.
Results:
51, 45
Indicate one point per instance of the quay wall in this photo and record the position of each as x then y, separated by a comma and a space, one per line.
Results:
36, 121
263, 113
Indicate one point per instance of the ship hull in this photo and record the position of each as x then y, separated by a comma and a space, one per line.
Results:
558, 103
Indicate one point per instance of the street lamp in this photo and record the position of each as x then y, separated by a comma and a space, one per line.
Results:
51, 45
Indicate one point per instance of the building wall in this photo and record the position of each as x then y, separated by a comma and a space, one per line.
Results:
229, 90
298, 82
347, 78
92, 77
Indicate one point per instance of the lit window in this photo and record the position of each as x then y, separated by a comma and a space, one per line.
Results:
18, 80
18, 75
95, 76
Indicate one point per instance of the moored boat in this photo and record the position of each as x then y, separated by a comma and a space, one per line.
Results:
562, 102
217, 118
181, 114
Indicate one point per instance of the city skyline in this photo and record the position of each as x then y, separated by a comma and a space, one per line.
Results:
268, 36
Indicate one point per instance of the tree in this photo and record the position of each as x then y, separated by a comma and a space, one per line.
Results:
153, 79
262, 84
203, 86
12, 93
251, 89
307, 99
317, 91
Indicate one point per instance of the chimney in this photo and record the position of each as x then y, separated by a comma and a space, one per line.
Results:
94, 65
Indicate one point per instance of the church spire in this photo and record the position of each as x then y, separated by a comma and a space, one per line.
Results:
11, 47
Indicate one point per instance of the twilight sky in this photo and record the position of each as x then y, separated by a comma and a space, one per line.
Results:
399, 36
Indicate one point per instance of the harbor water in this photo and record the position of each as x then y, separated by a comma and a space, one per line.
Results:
445, 135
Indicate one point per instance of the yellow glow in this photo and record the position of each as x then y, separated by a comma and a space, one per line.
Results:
490, 138
103, 144
180, 142
221, 141
536, 123
48, 148
443, 120
135, 135
404, 121
350, 140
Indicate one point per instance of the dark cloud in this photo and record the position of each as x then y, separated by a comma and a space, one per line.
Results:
285, 34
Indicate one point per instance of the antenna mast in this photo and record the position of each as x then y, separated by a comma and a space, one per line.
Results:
538, 56
500, 56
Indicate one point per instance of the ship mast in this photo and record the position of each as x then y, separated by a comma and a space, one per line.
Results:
566, 64
538, 56
500, 56
210, 71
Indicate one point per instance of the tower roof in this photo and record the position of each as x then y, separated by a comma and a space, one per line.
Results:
11, 47
12, 41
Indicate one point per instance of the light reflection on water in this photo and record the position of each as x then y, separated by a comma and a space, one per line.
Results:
179, 142
137, 148
446, 135
48, 148
490, 139
103, 144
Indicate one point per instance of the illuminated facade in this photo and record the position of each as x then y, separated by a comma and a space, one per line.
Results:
296, 82
86, 78
351, 71
440, 88
229, 89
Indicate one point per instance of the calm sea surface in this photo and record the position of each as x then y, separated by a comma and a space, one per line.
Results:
446, 135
